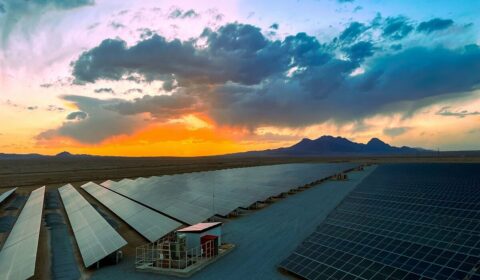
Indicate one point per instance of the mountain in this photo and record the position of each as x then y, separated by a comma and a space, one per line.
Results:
336, 146
64, 154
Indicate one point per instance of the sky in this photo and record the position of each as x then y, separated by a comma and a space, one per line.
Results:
192, 78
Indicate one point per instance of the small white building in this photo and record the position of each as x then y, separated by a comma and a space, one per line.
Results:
205, 235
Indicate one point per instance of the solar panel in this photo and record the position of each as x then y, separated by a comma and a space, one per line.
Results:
19, 253
6, 194
404, 221
195, 197
147, 222
95, 237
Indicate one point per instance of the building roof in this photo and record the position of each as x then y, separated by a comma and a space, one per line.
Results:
200, 227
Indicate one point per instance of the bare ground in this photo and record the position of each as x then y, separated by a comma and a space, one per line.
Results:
53, 172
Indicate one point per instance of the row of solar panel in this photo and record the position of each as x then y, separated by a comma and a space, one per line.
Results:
6, 195
19, 253
375, 233
95, 237
195, 197
147, 222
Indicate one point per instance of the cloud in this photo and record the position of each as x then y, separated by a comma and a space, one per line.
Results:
116, 25
357, 8
433, 25
100, 124
55, 108
274, 26
15, 11
77, 116
240, 77
133, 90
160, 106
397, 28
445, 111
339, 97
352, 32
104, 90
178, 13
360, 51
396, 131
32, 108
249, 55
396, 47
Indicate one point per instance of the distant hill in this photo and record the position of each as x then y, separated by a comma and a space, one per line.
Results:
337, 146
34, 156
20, 156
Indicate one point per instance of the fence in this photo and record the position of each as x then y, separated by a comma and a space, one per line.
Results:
167, 254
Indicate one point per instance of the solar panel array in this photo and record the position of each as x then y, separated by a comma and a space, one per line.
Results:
6, 194
151, 224
95, 237
404, 221
195, 197
19, 253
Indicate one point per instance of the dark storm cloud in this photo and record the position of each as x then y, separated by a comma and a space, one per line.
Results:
352, 32
433, 25
100, 124
395, 131
445, 111
168, 84
79, 115
396, 47
243, 78
397, 28
249, 55
431, 74
360, 51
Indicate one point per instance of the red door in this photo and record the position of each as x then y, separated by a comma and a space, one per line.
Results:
209, 245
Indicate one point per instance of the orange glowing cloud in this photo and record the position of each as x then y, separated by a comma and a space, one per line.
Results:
190, 135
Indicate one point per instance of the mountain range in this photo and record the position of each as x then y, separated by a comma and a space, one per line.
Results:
337, 146
323, 146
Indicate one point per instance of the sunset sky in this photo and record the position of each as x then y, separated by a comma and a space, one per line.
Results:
188, 78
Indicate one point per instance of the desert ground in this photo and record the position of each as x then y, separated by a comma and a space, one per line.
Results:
53, 172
